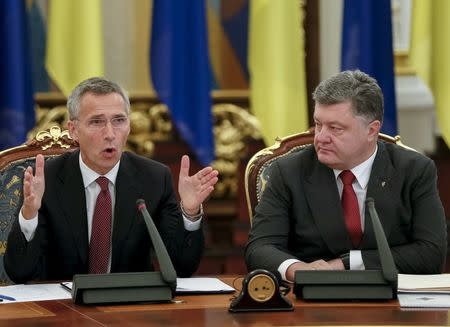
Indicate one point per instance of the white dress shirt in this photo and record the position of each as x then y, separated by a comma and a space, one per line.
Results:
362, 174
92, 189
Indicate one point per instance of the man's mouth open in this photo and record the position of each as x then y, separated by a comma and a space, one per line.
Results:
109, 152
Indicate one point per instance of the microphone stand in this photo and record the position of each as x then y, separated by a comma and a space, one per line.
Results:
151, 286
353, 284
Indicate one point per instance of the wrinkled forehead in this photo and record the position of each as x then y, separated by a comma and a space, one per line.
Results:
336, 111
105, 105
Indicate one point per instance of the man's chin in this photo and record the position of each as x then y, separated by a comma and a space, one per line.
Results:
327, 161
109, 159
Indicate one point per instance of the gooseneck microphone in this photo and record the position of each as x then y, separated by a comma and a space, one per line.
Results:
130, 287
165, 264
387, 262
379, 284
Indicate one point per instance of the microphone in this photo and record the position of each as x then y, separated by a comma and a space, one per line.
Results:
131, 287
387, 262
167, 270
353, 284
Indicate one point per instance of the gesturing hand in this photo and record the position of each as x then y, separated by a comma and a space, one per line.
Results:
193, 190
33, 188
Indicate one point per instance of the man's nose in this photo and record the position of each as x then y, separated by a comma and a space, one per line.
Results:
109, 130
323, 135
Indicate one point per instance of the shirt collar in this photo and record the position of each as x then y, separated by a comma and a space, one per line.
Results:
89, 176
362, 171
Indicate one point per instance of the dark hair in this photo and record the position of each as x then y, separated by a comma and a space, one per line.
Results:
356, 87
95, 85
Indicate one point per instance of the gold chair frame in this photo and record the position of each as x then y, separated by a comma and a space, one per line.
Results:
13, 162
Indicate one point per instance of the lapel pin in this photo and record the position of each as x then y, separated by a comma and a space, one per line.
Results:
383, 183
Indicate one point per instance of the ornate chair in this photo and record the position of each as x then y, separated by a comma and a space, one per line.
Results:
13, 162
257, 172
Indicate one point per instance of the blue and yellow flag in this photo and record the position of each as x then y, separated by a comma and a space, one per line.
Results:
16, 91
276, 61
430, 55
75, 42
367, 46
180, 71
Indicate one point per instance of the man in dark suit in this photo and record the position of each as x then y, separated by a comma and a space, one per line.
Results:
310, 217
80, 216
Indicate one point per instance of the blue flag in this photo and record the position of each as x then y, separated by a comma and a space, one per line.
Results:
367, 46
180, 71
16, 90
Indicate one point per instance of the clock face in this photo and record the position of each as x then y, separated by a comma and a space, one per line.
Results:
261, 288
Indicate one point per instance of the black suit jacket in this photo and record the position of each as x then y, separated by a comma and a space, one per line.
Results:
59, 248
300, 215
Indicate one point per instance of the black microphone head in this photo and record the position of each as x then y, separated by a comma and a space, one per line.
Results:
165, 264
387, 261
140, 203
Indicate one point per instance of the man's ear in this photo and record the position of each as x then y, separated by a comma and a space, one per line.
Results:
73, 130
374, 129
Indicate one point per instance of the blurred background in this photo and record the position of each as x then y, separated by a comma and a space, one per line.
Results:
221, 79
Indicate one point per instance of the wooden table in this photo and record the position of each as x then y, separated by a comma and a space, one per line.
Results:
212, 310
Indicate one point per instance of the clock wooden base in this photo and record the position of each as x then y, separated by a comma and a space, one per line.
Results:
260, 292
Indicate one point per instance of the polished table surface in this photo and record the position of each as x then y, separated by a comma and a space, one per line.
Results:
212, 310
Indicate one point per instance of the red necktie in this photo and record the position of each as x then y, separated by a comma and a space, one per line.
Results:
351, 208
100, 245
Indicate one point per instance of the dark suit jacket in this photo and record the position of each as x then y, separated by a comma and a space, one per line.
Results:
300, 215
59, 248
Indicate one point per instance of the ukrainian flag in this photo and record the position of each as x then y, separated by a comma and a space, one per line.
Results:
16, 91
277, 67
75, 42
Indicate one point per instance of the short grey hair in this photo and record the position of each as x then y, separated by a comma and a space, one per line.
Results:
97, 86
361, 90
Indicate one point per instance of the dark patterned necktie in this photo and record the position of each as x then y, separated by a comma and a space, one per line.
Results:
100, 245
351, 208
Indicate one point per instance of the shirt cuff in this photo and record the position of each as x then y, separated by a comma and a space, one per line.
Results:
356, 261
28, 226
284, 267
190, 225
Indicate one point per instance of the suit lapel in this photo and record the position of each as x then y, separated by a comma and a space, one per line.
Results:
73, 201
127, 192
323, 198
379, 188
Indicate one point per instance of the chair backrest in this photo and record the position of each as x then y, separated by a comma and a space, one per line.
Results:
13, 162
257, 172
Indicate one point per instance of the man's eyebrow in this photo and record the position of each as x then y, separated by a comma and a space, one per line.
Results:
97, 116
103, 116
330, 122
335, 122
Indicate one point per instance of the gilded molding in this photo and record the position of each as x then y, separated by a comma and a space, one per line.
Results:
54, 136
233, 127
